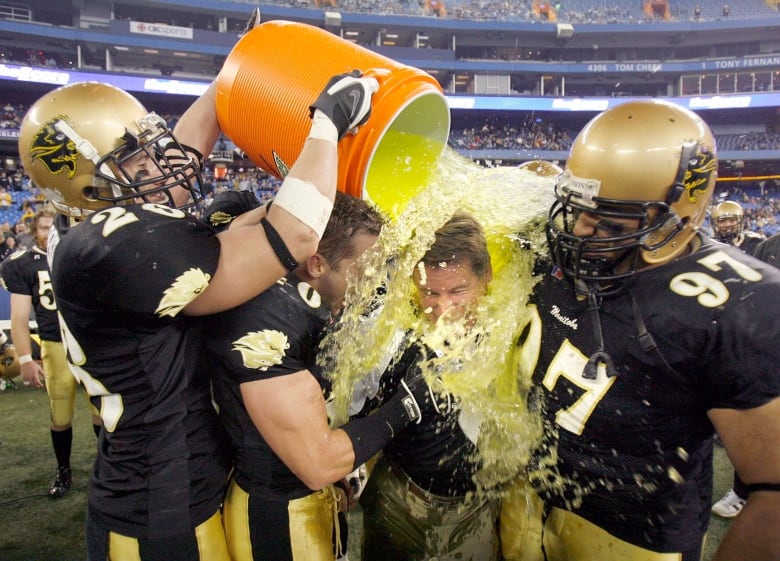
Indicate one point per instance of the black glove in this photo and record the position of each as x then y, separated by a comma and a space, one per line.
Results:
408, 404
346, 100
227, 205
418, 398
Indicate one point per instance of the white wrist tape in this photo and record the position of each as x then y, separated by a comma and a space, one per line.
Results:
303, 200
24, 359
323, 128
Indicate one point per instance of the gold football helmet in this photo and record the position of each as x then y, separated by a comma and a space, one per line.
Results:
728, 221
649, 160
79, 144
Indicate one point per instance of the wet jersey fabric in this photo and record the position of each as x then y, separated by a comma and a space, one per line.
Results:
636, 447
420, 500
274, 334
121, 279
435, 454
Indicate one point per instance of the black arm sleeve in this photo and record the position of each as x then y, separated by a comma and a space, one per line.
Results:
370, 434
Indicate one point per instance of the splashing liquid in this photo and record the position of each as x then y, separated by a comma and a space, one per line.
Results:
484, 369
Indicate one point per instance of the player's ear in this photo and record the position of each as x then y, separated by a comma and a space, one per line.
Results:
488, 274
316, 265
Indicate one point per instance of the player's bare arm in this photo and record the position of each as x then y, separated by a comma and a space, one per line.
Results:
254, 257
289, 411
752, 440
21, 308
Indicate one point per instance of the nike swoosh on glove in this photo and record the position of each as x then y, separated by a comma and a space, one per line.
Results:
420, 399
346, 100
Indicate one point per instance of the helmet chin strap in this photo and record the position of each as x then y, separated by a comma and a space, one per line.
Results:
590, 372
594, 296
83, 145
87, 150
644, 338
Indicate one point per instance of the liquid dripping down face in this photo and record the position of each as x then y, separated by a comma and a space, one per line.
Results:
448, 290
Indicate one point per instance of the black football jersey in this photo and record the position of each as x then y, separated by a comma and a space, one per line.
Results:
121, 278
748, 241
27, 272
436, 454
768, 251
635, 447
274, 334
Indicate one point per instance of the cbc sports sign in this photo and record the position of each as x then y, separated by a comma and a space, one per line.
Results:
161, 30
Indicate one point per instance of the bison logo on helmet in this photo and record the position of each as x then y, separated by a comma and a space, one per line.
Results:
54, 150
697, 177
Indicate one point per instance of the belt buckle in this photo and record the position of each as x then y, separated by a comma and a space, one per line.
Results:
418, 491
411, 486
430, 499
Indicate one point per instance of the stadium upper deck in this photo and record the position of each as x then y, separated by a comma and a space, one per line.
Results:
508, 57
506, 49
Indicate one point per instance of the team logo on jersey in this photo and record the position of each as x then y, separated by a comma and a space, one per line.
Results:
262, 349
54, 150
281, 166
697, 176
187, 286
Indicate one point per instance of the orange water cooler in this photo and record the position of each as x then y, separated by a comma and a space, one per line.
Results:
279, 68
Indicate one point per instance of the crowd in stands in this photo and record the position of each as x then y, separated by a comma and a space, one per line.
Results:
767, 140
527, 135
18, 204
264, 186
11, 116
530, 135
560, 11
564, 11
20, 199
762, 205
34, 57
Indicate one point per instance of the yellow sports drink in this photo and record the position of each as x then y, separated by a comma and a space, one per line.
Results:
481, 365
277, 69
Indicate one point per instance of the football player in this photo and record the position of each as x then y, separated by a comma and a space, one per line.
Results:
131, 278
269, 389
769, 250
728, 226
25, 274
421, 500
653, 337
